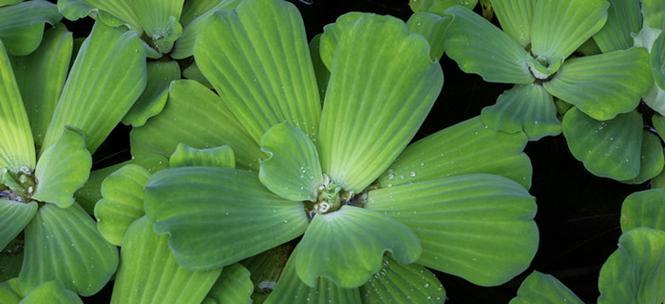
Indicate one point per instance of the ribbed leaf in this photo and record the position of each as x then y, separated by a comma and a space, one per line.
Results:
22, 25
52, 292
184, 46
468, 147
197, 117
41, 75
320, 69
623, 19
233, 286
152, 101
516, 17
477, 226
121, 203
194, 73
16, 146
62, 169
560, 27
266, 269
544, 289
433, 27
644, 209
290, 289
529, 108
383, 83
396, 283
658, 61
149, 273
63, 244
654, 13
292, 169
105, 11
14, 216
607, 148
439, 6
635, 272
107, 77
186, 156
333, 249
658, 122
604, 85
481, 48
655, 99
651, 159
194, 9
9, 293
218, 216
8, 2
258, 58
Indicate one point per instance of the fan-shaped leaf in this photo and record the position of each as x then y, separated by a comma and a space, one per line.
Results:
152, 101
433, 27
516, 17
623, 19
544, 289
233, 286
477, 226
320, 69
186, 156
52, 292
651, 159
396, 283
14, 216
22, 25
644, 209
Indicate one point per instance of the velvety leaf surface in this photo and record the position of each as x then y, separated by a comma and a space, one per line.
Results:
467, 147
52, 292
367, 98
528, 108
651, 159
63, 244
108, 75
607, 148
516, 17
644, 209
623, 19
218, 216
658, 61
544, 289
22, 25
150, 274
194, 115
469, 39
292, 169
439, 6
635, 272
14, 216
331, 247
257, 57
41, 75
604, 85
62, 169
9, 293
152, 101
16, 147
560, 27
184, 46
186, 156
433, 27
320, 69
194, 9
233, 286
396, 283
194, 73
478, 226
121, 203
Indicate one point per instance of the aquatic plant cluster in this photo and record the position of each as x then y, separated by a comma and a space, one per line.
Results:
269, 168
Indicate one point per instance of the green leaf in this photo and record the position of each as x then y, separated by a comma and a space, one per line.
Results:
604, 85
62, 169
153, 99
11, 259
186, 156
184, 46
218, 216
41, 75
383, 83
265, 72
655, 99
560, 27
150, 274
16, 146
527, 108
292, 169
8, 2
320, 69
22, 25
516, 17
9, 293
481, 48
197, 117
194, 9
121, 203
439, 6
658, 122
52, 292
623, 20
63, 244
396, 283
233, 286
607, 148
544, 289
266, 269
644, 209
193, 72
333, 249
290, 289
478, 226
651, 159
14, 216
654, 13
433, 27
658, 61
467, 147
107, 77
635, 272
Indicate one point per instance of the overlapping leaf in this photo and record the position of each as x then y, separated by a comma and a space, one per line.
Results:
14, 216
516, 17
644, 209
22, 25
233, 286
152, 100
544, 289
186, 156
623, 20
396, 283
